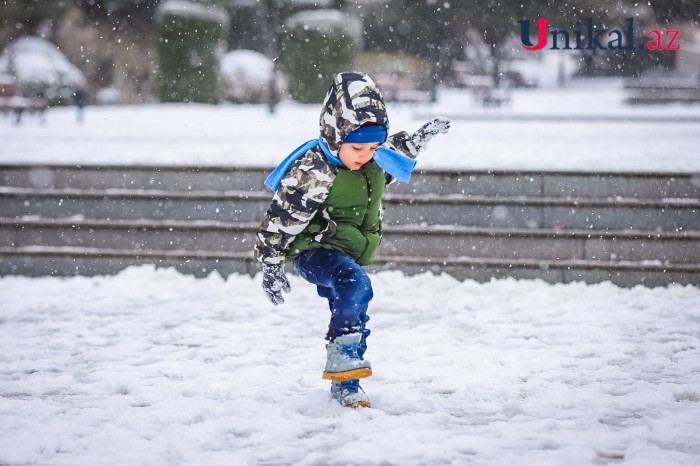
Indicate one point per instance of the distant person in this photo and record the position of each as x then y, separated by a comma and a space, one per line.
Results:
80, 100
273, 96
325, 217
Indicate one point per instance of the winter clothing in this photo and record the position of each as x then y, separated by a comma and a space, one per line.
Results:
354, 226
367, 134
301, 202
428, 131
345, 285
353, 101
275, 178
394, 163
343, 361
327, 219
349, 394
274, 282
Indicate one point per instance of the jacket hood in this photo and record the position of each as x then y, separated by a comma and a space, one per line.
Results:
352, 101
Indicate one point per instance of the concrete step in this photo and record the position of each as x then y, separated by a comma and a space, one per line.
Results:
40, 261
439, 241
436, 241
133, 177
542, 212
232, 206
621, 273
557, 226
134, 235
466, 182
481, 211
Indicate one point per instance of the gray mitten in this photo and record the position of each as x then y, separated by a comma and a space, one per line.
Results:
275, 282
428, 131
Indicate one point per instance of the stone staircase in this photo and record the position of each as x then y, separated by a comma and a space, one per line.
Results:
561, 227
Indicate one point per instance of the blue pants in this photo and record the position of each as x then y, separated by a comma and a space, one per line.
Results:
345, 284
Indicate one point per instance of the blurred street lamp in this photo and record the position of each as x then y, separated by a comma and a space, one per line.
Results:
268, 11
271, 33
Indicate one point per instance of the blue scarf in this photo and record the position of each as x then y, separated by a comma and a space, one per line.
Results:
394, 163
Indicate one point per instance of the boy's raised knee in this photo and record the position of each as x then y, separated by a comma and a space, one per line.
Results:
355, 282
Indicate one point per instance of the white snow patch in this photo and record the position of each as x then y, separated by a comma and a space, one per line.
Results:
326, 22
38, 65
246, 75
596, 131
153, 367
189, 9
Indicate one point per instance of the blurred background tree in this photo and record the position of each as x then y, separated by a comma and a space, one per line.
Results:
671, 11
133, 15
115, 42
190, 44
316, 45
25, 17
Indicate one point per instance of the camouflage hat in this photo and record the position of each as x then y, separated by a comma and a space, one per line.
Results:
353, 100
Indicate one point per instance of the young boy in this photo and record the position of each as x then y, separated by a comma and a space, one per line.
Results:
325, 216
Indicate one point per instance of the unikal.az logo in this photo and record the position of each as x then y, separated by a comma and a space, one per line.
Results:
589, 37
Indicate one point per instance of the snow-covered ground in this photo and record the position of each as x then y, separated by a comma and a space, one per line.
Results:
584, 126
151, 367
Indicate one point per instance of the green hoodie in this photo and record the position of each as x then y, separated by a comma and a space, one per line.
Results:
320, 205
353, 208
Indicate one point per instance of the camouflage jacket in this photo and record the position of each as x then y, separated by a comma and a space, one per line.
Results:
301, 199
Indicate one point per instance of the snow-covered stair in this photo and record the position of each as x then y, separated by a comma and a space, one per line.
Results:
625, 227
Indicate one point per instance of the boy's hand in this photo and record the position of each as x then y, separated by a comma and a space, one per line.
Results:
275, 282
428, 131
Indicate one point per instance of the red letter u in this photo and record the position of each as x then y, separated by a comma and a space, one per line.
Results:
542, 24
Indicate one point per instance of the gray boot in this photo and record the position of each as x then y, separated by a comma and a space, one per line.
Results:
344, 363
349, 394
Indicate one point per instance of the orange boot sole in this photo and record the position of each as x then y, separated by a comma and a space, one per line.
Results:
360, 404
361, 373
